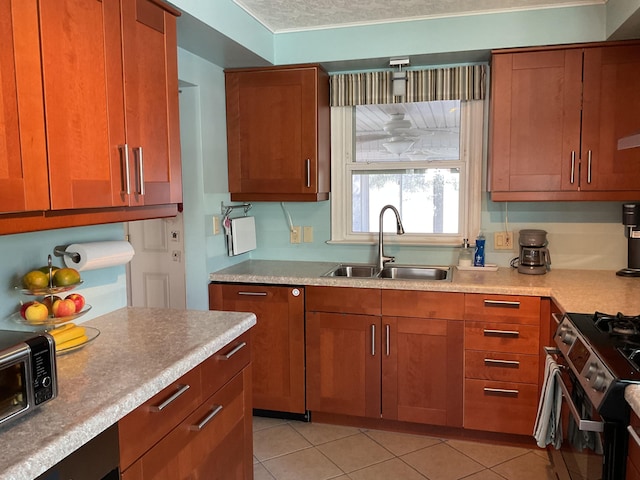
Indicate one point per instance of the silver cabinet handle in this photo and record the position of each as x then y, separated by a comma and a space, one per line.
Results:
253, 294
180, 390
556, 318
494, 362
500, 333
589, 167
501, 303
634, 434
308, 171
207, 419
373, 340
501, 391
232, 352
140, 165
573, 165
388, 335
124, 161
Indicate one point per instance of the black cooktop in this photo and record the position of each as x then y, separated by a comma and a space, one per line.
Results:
615, 339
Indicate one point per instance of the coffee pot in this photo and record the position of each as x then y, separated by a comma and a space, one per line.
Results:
534, 256
631, 222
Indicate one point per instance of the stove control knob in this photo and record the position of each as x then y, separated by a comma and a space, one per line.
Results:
592, 369
599, 382
567, 335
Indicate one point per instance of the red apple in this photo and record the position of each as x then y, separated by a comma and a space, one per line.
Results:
23, 308
36, 312
77, 299
49, 300
64, 308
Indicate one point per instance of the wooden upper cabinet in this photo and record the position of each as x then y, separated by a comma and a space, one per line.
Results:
23, 161
556, 116
278, 133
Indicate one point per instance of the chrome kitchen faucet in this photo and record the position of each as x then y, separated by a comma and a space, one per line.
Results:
382, 258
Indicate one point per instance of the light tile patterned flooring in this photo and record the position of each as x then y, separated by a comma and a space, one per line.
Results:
292, 450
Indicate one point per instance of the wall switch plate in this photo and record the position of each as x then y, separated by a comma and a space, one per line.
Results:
216, 225
307, 234
296, 234
503, 240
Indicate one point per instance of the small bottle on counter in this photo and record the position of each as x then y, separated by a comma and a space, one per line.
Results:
465, 258
478, 258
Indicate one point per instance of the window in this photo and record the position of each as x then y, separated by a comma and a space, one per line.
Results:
425, 158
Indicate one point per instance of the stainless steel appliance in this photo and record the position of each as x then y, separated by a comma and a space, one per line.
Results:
631, 221
599, 356
28, 375
534, 256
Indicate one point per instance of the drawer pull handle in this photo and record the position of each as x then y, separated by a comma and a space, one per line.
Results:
373, 340
388, 339
501, 392
634, 434
180, 390
501, 333
206, 419
307, 166
253, 294
124, 160
232, 352
501, 303
493, 362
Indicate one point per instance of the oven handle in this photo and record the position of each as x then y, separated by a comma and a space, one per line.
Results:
634, 434
582, 424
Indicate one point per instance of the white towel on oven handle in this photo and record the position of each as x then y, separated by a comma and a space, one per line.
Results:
548, 428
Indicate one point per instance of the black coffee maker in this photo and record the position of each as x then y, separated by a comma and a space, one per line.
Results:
631, 221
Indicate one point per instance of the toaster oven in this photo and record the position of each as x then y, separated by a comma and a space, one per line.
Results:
27, 372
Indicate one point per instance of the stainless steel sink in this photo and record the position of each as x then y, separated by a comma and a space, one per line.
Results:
413, 272
353, 270
399, 272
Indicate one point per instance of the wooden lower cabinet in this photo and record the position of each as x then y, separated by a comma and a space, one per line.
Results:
278, 341
212, 440
395, 367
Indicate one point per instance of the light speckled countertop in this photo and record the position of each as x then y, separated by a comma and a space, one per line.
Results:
583, 291
138, 353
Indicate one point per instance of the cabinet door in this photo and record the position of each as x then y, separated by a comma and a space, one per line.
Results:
277, 134
422, 370
278, 341
611, 106
151, 99
535, 121
82, 76
24, 184
343, 364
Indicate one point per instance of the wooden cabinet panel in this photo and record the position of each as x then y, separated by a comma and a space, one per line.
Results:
502, 308
24, 183
500, 406
409, 303
511, 367
422, 370
278, 133
343, 364
278, 341
502, 337
364, 301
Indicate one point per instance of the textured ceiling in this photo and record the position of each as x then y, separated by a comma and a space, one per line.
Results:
289, 15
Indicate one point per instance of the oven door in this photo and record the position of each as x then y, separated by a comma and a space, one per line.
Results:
591, 447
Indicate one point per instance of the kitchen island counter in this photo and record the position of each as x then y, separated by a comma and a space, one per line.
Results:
573, 290
138, 353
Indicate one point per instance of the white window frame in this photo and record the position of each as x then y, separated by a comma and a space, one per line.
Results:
472, 121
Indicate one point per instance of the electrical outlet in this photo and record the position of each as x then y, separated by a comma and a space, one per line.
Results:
503, 240
216, 225
307, 234
296, 233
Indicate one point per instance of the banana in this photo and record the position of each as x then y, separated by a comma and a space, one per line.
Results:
69, 334
72, 343
59, 330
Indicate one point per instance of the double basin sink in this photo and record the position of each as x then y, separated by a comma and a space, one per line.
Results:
400, 272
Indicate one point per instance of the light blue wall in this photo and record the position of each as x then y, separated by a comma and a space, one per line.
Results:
104, 289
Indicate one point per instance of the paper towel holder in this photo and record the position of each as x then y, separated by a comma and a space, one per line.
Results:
60, 251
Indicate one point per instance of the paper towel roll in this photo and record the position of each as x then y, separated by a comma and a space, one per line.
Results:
98, 255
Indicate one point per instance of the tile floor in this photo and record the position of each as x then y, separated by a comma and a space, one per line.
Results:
292, 450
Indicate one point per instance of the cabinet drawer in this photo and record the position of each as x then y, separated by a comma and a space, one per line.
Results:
411, 303
506, 367
192, 449
500, 406
225, 363
502, 308
364, 301
501, 337
152, 420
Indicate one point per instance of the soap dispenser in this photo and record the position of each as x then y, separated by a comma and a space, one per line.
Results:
465, 258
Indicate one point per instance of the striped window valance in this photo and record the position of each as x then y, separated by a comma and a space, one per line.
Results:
455, 83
